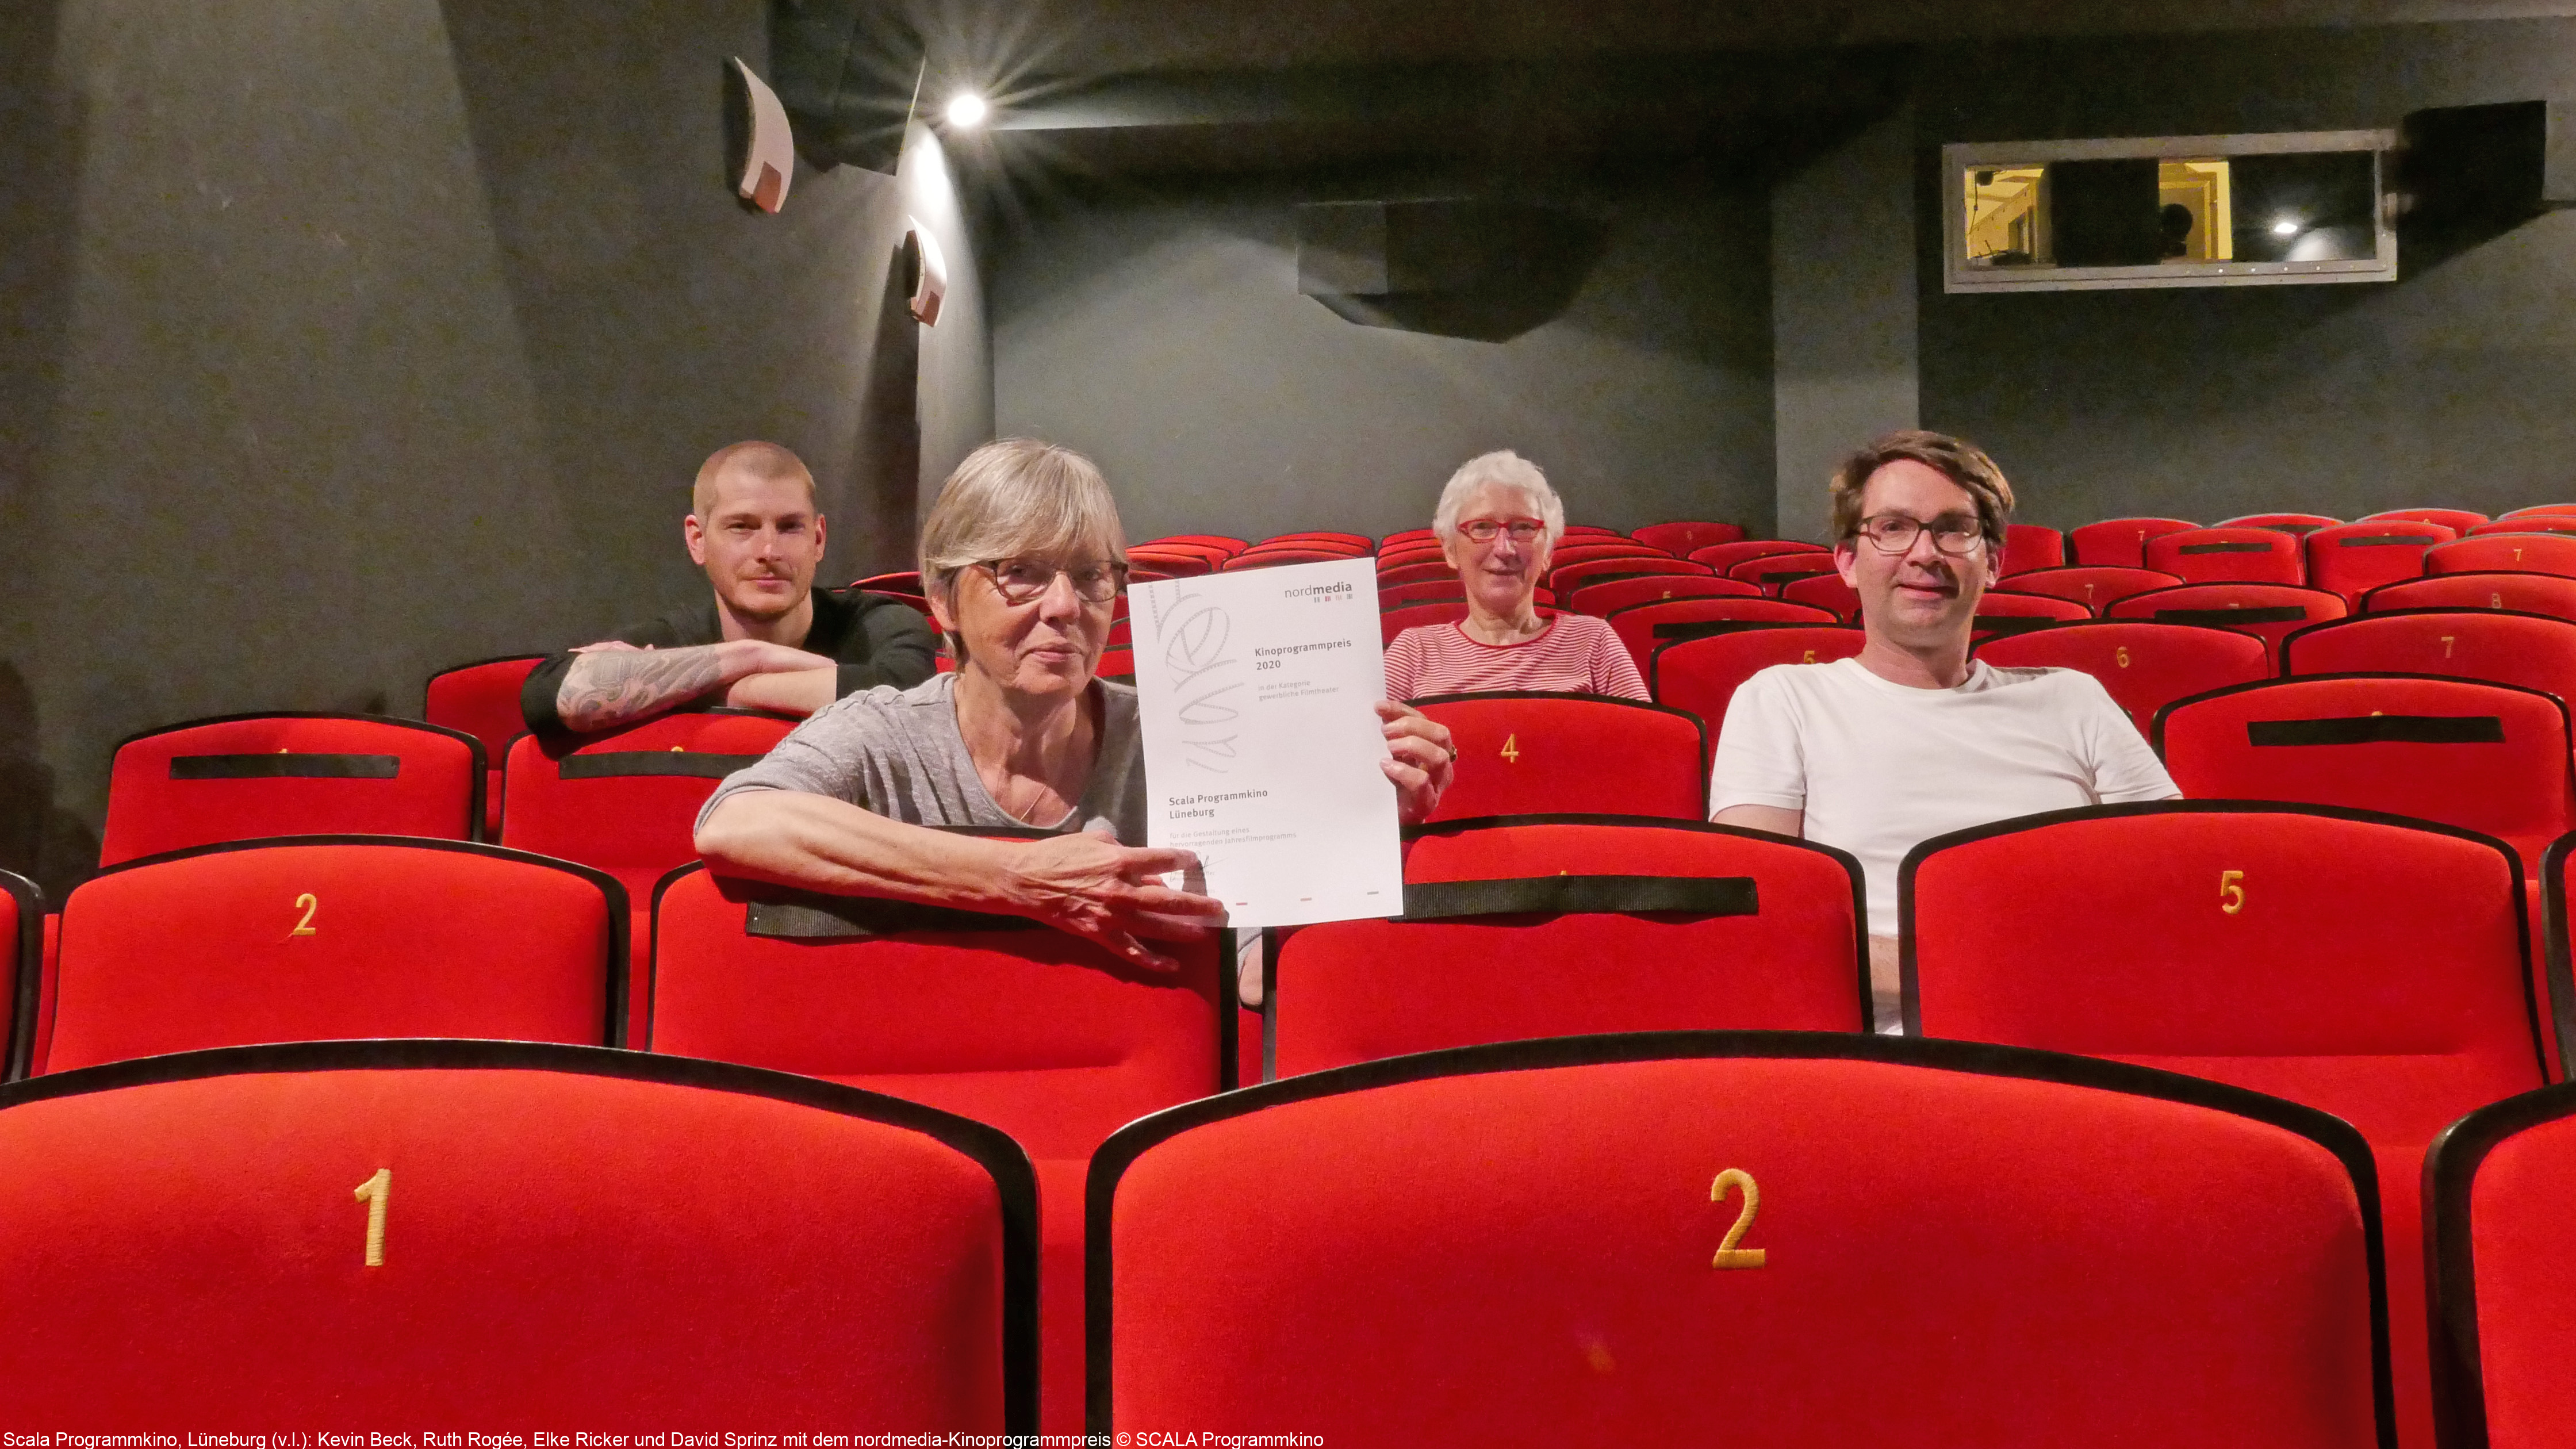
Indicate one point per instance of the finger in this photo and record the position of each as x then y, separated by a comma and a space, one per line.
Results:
1421, 753
1406, 777
1164, 900
1137, 953
1155, 860
1390, 710
1173, 928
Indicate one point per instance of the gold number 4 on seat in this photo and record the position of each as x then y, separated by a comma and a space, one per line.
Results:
1729, 1255
375, 1192
1512, 748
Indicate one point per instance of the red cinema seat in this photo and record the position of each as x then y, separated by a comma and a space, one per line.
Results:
1122, 634
2550, 594
2534, 651
1774, 572
1154, 565
1875, 1241
1725, 556
1594, 530
1626, 556
2351, 559
626, 802
2458, 520
1404, 536
2120, 542
2270, 612
2537, 509
1434, 569
482, 699
461, 1233
1116, 664
1223, 543
2096, 587
321, 937
2284, 951
2229, 556
1824, 591
2293, 523
2144, 667
1646, 627
1566, 578
1270, 558
1345, 543
1602, 599
2545, 521
1531, 927
2523, 553
902, 581
996, 1018
25, 966
2502, 1275
1528, 753
249, 775
2485, 757
1434, 591
1392, 622
1678, 539
2028, 547
1701, 675
2000, 614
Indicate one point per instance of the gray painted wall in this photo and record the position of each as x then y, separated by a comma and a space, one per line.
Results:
345, 341
2454, 385
1166, 338
1843, 309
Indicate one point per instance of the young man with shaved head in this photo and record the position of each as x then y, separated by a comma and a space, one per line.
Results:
1912, 738
768, 640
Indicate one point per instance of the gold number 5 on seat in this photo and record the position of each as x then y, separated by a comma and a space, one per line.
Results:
2231, 896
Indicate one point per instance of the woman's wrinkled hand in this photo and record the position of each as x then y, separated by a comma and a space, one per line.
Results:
1091, 886
1423, 759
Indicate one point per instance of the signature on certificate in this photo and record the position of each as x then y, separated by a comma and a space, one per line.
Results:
1195, 635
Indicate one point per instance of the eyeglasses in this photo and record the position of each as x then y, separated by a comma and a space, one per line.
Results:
1895, 533
1022, 580
1484, 530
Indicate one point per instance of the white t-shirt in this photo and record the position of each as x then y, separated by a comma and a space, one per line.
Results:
1880, 767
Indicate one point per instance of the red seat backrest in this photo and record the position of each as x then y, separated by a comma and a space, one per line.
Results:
2000, 614
1529, 753
1434, 568
2121, 542
2228, 555
250, 775
2534, 651
2537, 508
1173, 563
2029, 546
1045, 1036
1223, 543
1537, 1243
2096, 587
1429, 591
1724, 556
1506, 924
1565, 578
2351, 559
2542, 520
1645, 627
2532, 553
2458, 520
314, 938
2485, 757
2143, 666
2503, 1280
627, 801
1392, 622
1679, 539
1773, 572
1599, 600
22, 972
1701, 675
2280, 950
1824, 591
482, 699
409, 1231
2549, 594
1268, 557
2292, 523
2270, 612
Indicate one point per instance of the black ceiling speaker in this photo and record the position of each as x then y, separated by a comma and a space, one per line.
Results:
1458, 267
2485, 166
848, 72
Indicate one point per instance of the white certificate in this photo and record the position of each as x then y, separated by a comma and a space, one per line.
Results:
1261, 743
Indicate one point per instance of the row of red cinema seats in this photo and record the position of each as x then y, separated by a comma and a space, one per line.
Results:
2265, 947
2278, 950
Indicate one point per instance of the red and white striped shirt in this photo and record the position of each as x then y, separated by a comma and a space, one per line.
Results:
1576, 654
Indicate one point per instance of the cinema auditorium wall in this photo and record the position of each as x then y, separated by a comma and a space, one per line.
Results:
342, 341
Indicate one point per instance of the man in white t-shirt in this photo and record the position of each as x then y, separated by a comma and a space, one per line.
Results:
1910, 739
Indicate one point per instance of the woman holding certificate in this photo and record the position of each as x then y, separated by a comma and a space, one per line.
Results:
1022, 559
1498, 523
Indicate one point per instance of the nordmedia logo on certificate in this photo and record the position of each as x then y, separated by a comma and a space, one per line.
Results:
1257, 691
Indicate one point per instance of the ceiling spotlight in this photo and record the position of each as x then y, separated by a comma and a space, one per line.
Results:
966, 110
2283, 227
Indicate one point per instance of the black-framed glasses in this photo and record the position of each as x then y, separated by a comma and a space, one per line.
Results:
1486, 530
1022, 580
1951, 534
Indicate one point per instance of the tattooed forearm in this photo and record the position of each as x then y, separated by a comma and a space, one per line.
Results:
603, 691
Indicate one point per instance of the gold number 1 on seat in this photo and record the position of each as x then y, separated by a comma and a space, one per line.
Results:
375, 1192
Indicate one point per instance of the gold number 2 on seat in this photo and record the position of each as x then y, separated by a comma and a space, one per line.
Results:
1729, 1255
311, 903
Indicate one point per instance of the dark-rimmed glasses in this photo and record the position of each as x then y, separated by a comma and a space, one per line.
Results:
1022, 580
1486, 530
1895, 533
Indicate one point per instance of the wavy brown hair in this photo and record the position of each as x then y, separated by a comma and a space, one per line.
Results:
1956, 459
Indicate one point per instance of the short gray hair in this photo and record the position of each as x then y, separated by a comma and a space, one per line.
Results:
1501, 468
1016, 498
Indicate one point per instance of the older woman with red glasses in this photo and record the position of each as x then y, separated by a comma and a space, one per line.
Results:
1022, 558
1498, 523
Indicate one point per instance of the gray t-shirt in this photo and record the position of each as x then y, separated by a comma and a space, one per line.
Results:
898, 753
